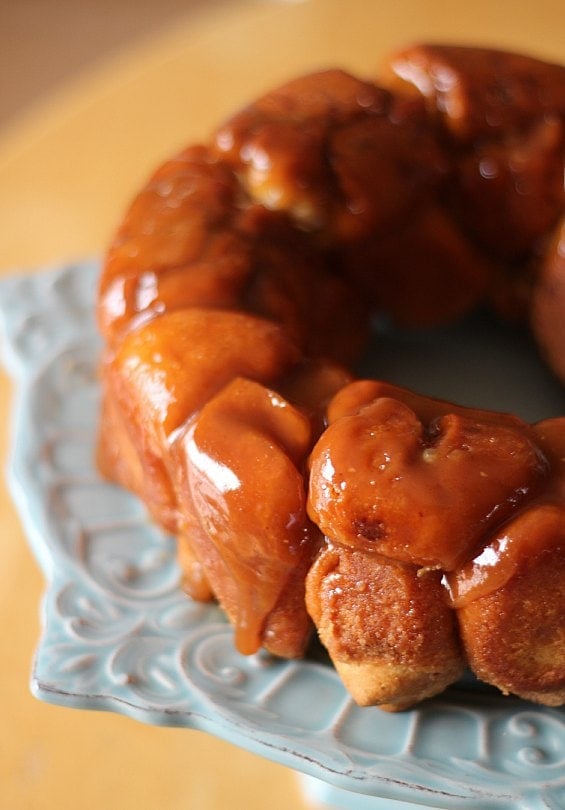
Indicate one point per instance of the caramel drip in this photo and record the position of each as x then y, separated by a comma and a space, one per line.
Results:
243, 453
519, 544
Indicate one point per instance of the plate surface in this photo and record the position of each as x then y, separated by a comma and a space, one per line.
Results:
118, 633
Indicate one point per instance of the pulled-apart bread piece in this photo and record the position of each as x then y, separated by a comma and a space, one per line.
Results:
426, 492
510, 603
510, 598
423, 484
386, 625
165, 371
218, 459
240, 459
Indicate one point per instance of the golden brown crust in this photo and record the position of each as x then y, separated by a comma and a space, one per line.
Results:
381, 486
194, 577
386, 626
514, 637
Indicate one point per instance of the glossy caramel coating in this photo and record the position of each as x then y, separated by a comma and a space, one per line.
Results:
237, 291
421, 488
240, 465
166, 370
476, 92
192, 238
241, 458
362, 171
502, 119
383, 485
535, 530
510, 599
174, 247
343, 156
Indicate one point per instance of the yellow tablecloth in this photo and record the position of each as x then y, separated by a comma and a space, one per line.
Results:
67, 168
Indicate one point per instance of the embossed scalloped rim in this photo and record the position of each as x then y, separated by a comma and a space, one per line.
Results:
119, 635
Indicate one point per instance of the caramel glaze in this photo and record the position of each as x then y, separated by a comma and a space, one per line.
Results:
538, 528
242, 456
421, 493
218, 458
475, 494
418, 480
239, 289
438, 485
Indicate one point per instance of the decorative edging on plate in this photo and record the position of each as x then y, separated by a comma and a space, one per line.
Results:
119, 635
